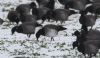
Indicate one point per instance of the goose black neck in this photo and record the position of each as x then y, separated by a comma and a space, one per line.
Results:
35, 11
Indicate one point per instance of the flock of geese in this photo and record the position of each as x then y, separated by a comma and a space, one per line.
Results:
88, 40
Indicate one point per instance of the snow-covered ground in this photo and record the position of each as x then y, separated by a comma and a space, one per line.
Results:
19, 45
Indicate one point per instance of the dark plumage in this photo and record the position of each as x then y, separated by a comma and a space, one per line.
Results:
75, 44
25, 8
77, 4
46, 3
93, 34
91, 47
76, 33
64, 2
40, 12
42, 3
51, 4
94, 8
49, 31
87, 20
59, 14
25, 28
79, 41
87, 35
28, 18
13, 16
88, 42
1, 21
20, 57
79, 38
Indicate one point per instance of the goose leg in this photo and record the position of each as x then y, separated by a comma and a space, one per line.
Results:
52, 39
91, 27
29, 35
85, 56
90, 56
44, 39
61, 22
37, 39
43, 19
